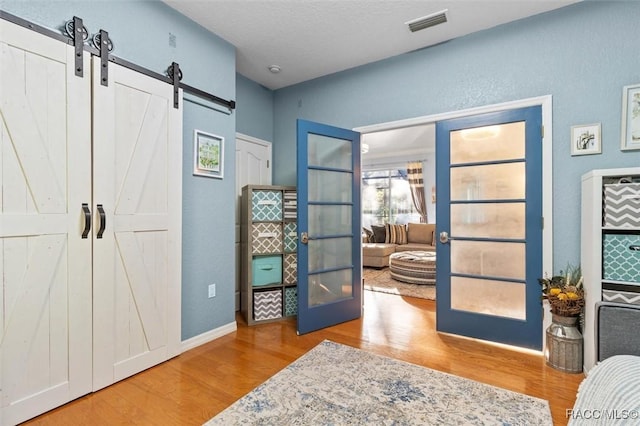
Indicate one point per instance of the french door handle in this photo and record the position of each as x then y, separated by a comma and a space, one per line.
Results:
304, 237
444, 237
103, 221
87, 220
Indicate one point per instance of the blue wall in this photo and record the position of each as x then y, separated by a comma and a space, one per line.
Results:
582, 55
141, 31
255, 109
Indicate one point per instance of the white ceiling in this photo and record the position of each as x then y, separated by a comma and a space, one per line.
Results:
312, 38
398, 145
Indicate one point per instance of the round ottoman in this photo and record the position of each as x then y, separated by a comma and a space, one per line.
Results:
416, 267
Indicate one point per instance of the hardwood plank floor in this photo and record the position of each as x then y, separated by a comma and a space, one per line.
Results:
198, 384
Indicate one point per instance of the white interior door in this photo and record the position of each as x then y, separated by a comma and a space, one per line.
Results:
45, 265
137, 179
253, 161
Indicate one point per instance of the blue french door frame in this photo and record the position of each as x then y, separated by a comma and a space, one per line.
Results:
525, 333
318, 316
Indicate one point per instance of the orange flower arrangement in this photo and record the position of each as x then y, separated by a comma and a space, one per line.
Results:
564, 292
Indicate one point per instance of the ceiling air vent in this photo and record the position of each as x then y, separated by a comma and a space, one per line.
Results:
428, 21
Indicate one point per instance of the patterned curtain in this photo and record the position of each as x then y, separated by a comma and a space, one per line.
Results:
416, 183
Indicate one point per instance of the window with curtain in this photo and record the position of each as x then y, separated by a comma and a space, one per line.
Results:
386, 198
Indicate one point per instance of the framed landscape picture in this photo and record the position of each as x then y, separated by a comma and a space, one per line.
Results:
630, 118
208, 153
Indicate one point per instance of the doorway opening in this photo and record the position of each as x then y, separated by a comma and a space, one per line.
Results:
370, 134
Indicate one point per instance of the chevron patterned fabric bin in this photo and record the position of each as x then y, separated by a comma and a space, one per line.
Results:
621, 257
621, 296
622, 205
267, 304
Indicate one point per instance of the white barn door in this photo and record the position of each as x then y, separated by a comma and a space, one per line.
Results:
45, 265
137, 179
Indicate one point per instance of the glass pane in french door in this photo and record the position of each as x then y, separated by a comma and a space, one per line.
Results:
329, 152
487, 185
330, 219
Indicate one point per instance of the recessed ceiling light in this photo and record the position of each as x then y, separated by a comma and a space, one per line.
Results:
274, 69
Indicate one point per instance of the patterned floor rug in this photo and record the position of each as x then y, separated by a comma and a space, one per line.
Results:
380, 280
334, 384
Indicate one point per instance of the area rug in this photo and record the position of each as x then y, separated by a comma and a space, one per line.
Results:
334, 384
380, 280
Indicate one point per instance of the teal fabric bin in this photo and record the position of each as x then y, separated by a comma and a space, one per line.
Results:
266, 205
290, 237
266, 270
621, 257
290, 301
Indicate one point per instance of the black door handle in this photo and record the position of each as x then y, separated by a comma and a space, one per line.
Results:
87, 220
103, 221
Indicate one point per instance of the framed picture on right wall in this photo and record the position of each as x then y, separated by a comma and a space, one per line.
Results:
630, 129
585, 139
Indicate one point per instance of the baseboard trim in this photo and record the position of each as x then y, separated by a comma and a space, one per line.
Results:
203, 338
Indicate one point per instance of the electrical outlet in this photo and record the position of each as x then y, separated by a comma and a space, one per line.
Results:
212, 291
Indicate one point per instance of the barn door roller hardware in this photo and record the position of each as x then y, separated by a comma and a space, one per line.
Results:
103, 43
175, 74
76, 35
176, 77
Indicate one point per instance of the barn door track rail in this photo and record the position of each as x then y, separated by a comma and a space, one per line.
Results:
76, 34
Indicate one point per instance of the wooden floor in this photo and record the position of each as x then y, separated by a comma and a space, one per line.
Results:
195, 386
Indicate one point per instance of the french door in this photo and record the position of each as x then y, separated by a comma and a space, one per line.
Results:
489, 180
329, 216
89, 224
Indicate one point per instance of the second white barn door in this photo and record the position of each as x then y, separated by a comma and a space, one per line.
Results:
137, 183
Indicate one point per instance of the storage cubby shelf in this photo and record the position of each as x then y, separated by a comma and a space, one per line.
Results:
610, 214
268, 238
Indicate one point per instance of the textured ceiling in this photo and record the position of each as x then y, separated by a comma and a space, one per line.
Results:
312, 38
